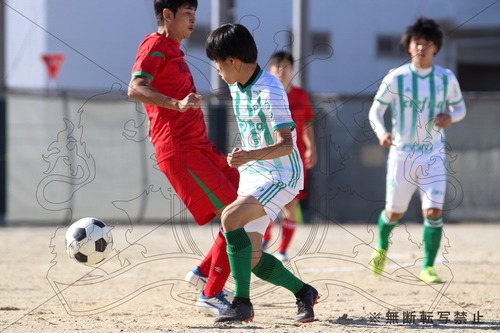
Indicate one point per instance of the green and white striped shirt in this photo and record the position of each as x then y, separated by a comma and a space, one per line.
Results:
415, 100
261, 108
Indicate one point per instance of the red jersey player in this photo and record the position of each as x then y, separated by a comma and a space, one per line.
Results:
197, 171
281, 66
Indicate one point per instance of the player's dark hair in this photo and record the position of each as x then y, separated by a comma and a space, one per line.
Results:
280, 56
424, 28
231, 40
173, 5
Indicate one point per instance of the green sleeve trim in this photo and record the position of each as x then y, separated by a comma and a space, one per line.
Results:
309, 122
157, 54
291, 124
141, 73
459, 101
382, 102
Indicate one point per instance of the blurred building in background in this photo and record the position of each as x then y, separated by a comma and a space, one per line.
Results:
76, 146
349, 46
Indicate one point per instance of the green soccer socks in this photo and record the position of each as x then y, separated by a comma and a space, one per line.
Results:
433, 229
385, 227
270, 269
239, 252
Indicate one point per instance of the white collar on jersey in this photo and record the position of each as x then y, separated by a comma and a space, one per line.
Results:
421, 71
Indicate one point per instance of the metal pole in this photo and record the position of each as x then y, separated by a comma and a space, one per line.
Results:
301, 40
222, 12
3, 120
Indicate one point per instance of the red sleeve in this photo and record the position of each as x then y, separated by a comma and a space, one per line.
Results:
151, 57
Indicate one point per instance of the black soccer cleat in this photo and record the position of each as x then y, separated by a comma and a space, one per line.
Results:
307, 297
240, 310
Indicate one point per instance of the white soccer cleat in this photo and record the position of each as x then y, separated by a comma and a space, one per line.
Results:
282, 257
199, 280
213, 306
196, 278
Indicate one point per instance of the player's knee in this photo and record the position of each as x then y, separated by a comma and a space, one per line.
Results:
432, 213
393, 216
228, 221
232, 219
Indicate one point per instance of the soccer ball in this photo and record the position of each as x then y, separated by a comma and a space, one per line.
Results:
89, 241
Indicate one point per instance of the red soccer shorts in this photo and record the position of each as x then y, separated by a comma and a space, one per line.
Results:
202, 179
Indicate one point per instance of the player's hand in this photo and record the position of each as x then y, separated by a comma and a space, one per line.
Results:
442, 120
310, 158
385, 140
237, 157
191, 101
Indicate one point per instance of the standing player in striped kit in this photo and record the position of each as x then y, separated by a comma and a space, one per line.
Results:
270, 171
425, 99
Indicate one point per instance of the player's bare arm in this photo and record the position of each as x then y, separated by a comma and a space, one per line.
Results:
385, 140
140, 89
282, 147
376, 117
310, 154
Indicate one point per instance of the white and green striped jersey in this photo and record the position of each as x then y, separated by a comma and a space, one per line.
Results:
415, 100
260, 109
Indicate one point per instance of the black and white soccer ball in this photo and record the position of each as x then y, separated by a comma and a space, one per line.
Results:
89, 241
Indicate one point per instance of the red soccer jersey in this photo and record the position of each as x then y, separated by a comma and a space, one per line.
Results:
300, 108
161, 60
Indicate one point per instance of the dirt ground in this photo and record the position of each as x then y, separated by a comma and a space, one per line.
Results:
140, 287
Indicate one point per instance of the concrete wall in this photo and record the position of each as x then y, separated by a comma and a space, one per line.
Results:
71, 156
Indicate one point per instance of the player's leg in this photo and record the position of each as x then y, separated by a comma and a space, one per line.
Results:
239, 246
385, 227
433, 230
267, 235
198, 275
204, 188
218, 267
214, 298
432, 196
266, 266
215, 265
240, 253
270, 269
288, 227
387, 220
398, 195
244, 251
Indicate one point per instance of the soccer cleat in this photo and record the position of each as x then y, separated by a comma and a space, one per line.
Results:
199, 281
305, 304
377, 261
196, 278
214, 306
429, 275
240, 310
281, 256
